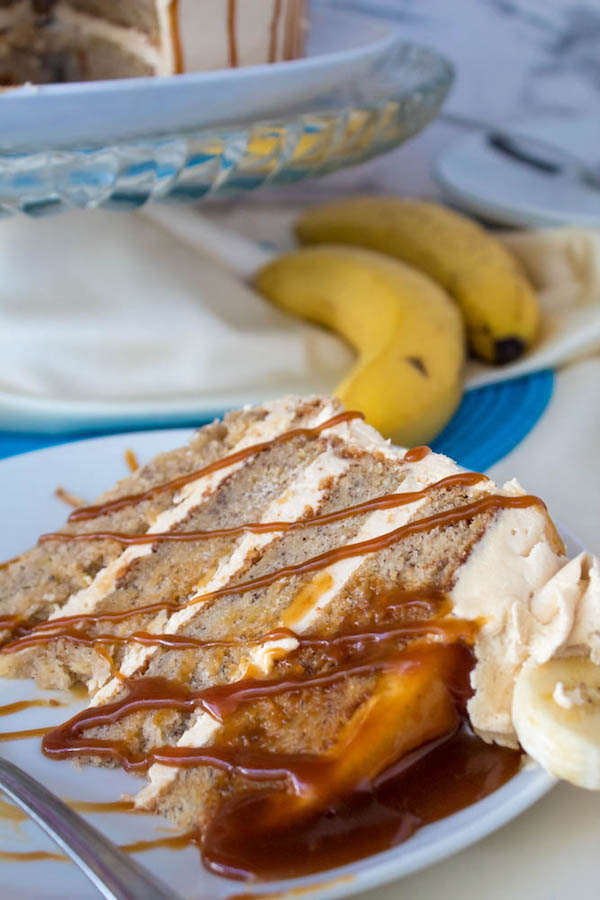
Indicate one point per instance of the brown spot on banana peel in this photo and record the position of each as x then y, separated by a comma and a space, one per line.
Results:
418, 364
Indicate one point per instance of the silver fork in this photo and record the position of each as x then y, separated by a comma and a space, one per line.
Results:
111, 871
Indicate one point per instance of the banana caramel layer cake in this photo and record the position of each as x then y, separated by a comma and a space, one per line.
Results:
289, 614
82, 40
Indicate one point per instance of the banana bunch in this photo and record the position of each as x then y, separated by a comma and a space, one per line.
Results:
500, 308
407, 332
556, 713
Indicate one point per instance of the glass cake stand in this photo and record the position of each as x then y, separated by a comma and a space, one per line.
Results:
400, 95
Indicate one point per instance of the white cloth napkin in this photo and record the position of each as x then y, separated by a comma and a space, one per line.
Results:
107, 318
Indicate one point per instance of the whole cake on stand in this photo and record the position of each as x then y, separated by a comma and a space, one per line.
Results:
44, 41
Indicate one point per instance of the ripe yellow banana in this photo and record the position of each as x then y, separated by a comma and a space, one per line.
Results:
407, 331
499, 305
556, 712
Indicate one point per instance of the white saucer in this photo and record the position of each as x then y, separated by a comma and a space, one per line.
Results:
69, 115
481, 180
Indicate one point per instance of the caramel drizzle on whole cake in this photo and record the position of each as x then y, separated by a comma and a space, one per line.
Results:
174, 21
232, 33
91, 512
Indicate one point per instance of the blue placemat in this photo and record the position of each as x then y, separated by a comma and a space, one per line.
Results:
491, 421
488, 424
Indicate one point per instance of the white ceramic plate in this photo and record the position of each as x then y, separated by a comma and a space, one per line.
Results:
98, 113
499, 189
27, 486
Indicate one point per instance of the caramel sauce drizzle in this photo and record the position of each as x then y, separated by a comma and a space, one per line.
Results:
23, 735
491, 503
53, 629
174, 20
232, 32
105, 806
12, 813
10, 709
156, 693
131, 461
68, 497
187, 642
387, 501
169, 641
305, 774
91, 512
31, 856
170, 842
416, 454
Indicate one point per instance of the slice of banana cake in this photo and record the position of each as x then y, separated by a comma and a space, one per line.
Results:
274, 616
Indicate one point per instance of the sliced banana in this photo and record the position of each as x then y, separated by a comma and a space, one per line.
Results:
556, 713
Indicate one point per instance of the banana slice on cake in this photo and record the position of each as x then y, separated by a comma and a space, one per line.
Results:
556, 713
